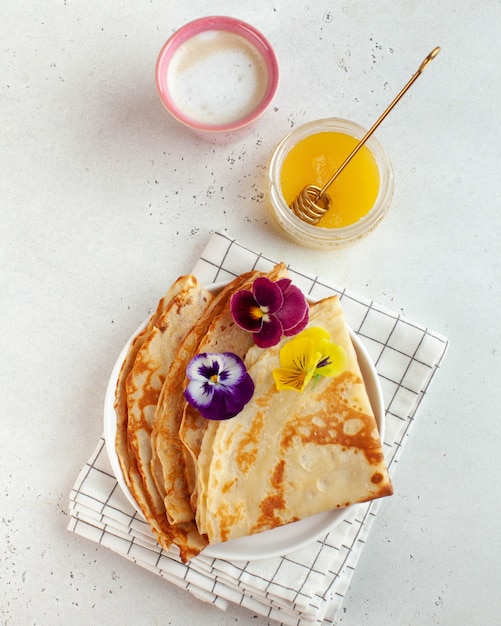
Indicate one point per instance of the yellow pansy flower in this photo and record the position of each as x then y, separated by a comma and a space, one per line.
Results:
308, 356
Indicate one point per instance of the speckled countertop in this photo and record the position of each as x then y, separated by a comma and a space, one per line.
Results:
105, 200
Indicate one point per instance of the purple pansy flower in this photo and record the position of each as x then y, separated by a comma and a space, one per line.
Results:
270, 310
219, 385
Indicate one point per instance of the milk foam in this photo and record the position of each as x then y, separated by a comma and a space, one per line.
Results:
217, 77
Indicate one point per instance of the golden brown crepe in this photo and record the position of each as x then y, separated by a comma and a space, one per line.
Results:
223, 335
167, 464
146, 378
289, 455
125, 457
171, 462
138, 386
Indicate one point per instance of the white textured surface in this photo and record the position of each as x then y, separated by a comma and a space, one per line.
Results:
105, 200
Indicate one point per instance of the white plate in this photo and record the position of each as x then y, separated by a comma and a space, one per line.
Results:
277, 541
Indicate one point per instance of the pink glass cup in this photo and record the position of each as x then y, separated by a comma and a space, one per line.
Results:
217, 130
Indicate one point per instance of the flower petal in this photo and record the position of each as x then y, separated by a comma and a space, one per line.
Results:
233, 371
299, 354
301, 325
333, 359
199, 394
294, 307
286, 378
270, 333
244, 309
268, 294
229, 401
216, 410
237, 396
203, 366
316, 333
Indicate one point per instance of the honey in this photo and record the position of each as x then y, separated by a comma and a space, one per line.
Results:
314, 159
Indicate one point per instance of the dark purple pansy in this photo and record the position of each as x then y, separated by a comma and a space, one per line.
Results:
219, 385
270, 310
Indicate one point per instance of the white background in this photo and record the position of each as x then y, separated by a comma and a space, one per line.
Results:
104, 200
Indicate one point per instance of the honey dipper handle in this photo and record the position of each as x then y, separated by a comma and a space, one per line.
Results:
368, 134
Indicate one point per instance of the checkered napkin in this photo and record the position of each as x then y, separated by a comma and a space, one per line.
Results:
306, 586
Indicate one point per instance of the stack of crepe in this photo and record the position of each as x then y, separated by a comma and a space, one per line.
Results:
286, 456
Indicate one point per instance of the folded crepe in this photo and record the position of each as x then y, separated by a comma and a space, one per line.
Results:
289, 455
177, 428
141, 379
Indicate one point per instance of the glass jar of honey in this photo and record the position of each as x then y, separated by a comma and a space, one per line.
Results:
360, 195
